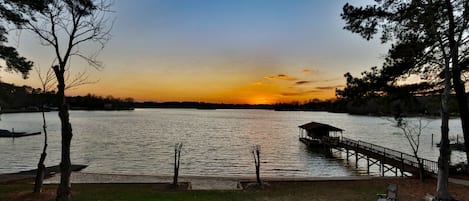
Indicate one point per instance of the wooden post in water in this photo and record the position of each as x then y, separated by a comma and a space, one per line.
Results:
432, 140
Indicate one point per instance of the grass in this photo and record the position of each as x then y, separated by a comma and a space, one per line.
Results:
312, 191
292, 191
364, 190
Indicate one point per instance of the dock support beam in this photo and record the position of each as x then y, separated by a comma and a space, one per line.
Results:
347, 154
387, 160
367, 165
356, 155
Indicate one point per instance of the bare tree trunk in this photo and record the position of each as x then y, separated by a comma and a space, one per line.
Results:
41, 168
258, 173
257, 162
421, 169
177, 159
458, 83
445, 154
64, 190
461, 97
443, 160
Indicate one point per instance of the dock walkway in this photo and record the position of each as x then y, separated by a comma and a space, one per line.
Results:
389, 160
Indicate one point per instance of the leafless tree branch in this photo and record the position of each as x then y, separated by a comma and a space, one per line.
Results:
47, 80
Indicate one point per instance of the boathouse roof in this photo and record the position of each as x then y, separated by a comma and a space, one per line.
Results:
315, 126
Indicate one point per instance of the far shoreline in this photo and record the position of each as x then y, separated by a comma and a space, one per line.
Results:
226, 107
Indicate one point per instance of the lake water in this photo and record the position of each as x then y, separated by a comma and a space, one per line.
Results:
216, 142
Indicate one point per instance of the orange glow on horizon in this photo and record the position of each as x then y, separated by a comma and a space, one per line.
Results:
257, 86
247, 94
258, 100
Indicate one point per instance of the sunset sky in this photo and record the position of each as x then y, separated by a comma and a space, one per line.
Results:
220, 51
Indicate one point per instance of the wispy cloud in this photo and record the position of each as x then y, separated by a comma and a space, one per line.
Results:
329, 87
308, 70
301, 93
302, 82
281, 77
298, 92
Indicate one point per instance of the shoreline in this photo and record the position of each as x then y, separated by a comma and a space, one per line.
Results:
197, 182
410, 188
254, 107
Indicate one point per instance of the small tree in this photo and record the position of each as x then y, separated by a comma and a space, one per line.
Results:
41, 168
412, 132
177, 158
426, 36
255, 150
64, 25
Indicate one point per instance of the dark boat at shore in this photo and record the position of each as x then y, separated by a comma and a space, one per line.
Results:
7, 133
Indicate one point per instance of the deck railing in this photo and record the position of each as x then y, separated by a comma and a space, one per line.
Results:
429, 165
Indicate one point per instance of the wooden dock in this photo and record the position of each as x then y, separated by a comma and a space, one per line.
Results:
388, 160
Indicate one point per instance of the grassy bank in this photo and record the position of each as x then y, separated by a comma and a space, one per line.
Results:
409, 189
149, 192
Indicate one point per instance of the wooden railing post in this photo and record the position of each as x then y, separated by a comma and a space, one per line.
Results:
368, 165
383, 162
356, 154
402, 165
395, 156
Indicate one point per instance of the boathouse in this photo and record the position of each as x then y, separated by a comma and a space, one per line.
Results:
317, 133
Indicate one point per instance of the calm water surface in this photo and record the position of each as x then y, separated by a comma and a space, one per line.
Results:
216, 142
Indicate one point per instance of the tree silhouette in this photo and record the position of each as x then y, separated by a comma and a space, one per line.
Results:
177, 160
412, 132
443, 160
64, 25
46, 81
433, 37
14, 13
256, 150
427, 37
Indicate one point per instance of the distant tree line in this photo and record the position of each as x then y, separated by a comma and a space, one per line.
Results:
25, 98
199, 105
14, 97
93, 102
383, 105
380, 105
